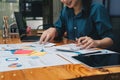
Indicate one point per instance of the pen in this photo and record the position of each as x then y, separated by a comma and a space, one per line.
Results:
91, 53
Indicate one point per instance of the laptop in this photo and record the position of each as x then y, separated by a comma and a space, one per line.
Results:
22, 29
100, 60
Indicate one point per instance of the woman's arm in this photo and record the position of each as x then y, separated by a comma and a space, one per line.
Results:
88, 42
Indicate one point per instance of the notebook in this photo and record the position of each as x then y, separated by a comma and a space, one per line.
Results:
100, 60
22, 29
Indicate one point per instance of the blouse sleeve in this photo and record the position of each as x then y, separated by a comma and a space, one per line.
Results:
60, 23
102, 21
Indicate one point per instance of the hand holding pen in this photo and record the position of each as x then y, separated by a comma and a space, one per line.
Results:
87, 42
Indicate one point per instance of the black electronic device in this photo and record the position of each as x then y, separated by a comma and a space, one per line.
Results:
100, 60
22, 29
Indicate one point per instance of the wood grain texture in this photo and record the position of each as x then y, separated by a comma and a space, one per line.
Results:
63, 72
10, 41
12, 75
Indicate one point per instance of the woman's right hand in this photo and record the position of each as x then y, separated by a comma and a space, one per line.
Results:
48, 35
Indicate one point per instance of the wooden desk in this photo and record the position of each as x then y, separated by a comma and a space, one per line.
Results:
63, 72
9, 40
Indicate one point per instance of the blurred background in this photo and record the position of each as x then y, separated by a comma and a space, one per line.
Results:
42, 12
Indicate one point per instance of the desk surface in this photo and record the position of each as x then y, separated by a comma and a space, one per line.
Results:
69, 72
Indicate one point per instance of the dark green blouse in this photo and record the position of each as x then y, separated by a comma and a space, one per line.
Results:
97, 25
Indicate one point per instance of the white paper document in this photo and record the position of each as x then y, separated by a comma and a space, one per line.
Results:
69, 47
5, 53
72, 48
24, 62
52, 57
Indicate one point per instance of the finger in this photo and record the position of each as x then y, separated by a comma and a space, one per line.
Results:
90, 46
80, 40
86, 44
42, 38
52, 38
78, 44
47, 39
84, 41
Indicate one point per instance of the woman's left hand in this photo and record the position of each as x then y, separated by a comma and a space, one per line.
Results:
87, 42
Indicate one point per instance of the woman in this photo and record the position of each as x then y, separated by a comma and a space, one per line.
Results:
86, 22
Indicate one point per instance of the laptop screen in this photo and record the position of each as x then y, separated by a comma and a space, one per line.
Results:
20, 23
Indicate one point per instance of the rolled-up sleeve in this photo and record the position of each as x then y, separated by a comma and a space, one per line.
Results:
102, 22
60, 24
